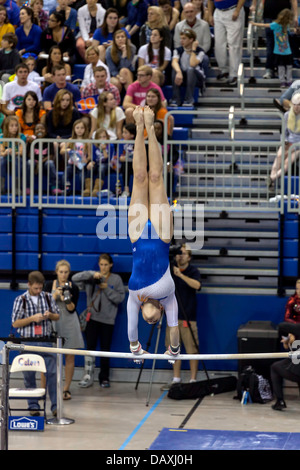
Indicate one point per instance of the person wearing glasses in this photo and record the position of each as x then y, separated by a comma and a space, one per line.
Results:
136, 92
292, 135
150, 227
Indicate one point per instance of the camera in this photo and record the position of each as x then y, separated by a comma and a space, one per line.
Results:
98, 280
67, 293
175, 250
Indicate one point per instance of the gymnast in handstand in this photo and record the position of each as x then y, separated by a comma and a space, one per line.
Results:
151, 287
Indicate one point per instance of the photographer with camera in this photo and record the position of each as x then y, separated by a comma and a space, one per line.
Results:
32, 316
104, 291
187, 283
65, 294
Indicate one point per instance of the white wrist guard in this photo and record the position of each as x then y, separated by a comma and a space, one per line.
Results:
137, 349
174, 350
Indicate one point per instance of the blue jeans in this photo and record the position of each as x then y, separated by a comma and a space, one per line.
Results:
51, 378
288, 93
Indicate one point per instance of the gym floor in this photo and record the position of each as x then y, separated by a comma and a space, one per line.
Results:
124, 417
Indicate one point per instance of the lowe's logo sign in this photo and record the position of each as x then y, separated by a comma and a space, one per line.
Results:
24, 423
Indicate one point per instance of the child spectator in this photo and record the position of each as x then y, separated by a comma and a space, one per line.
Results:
98, 168
9, 56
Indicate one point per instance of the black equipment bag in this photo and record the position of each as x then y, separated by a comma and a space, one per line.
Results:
182, 391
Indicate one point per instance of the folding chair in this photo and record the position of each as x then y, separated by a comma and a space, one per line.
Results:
28, 363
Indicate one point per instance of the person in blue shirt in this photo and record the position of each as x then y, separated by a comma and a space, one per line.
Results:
282, 51
13, 11
137, 16
60, 82
29, 33
150, 226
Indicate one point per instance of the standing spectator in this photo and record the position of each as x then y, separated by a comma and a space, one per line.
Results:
283, 58
187, 283
120, 60
187, 69
200, 27
137, 92
59, 83
228, 20
29, 33
90, 17
103, 36
156, 54
5, 26
32, 315
105, 291
14, 92
100, 84
292, 308
65, 294
270, 13
137, 16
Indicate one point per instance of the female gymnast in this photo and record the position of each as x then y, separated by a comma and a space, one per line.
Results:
150, 224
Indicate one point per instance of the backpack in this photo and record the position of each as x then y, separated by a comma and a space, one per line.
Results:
257, 386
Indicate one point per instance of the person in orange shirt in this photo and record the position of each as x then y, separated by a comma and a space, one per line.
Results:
153, 100
30, 114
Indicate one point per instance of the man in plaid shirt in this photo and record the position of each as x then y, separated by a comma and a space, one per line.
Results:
32, 316
99, 85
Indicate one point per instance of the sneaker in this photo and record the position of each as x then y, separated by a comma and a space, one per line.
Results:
187, 104
125, 194
105, 384
283, 85
279, 405
34, 412
232, 81
168, 386
278, 105
222, 77
268, 74
173, 104
86, 381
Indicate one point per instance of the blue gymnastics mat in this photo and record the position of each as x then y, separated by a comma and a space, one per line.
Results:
194, 439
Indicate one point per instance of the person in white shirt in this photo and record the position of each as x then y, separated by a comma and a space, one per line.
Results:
14, 92
155, 54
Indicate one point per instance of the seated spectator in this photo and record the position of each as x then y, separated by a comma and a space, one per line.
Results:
187, 69
14, 92
5, 26
120, 60
156, 54
284, 102
108, 115
136, 17
70, 14
59, 83
9, 56
55, 59
99, 85
41, 16
90, 17
156, 19
120, 6
171, 14
11, 130
200, 27
29, 33
136, 92
292, 135
292, 308
201, 10
13, 12
30, 61
59, 35
103, 36
93, 60
61, 117
29, 115
153, 100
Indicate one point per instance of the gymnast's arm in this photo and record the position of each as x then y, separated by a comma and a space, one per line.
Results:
133, 309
